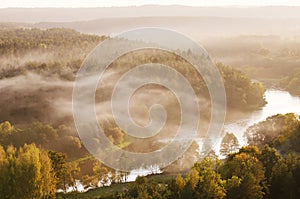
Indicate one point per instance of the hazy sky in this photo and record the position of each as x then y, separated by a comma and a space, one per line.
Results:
108, 3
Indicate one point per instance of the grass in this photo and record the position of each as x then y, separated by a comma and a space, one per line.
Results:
81, 159
101, 192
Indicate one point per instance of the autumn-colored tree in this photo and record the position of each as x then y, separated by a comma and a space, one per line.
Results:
48, 180
101, 174
193, 179
65, 172
6, 129
277, 130
210, 183
146, 188
43, 135
180, 182
26, 173
233, 187
269, 157
247, 167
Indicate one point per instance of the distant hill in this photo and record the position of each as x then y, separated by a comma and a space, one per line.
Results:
196, 27
33, 15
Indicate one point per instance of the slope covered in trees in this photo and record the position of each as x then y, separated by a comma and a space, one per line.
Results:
271, 59
49, 52
249, 173
291, 82
264, 172
279, 131
43, 135
270, 170
58, 53
37, 72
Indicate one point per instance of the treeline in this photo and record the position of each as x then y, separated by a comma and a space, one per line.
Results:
241, 92
60, 52
70, 159
17, 42
61, 138
270, 168
43, 135
249, 173
271, 59
279, 131
30, 172
291, 83
26, 173
50, 52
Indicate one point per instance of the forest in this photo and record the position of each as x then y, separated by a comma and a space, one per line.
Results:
42, 156
269, 167
271, 59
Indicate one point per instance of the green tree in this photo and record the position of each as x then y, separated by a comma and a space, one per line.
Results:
43, 135
9, 178
233, 187
193, 179
65, 172
245, 166
101, 173
210, 183
277, 131
180, 182
269, 157
6, 128
147, 188
241, 92
26, 173
5, 180
48, 180
285, 181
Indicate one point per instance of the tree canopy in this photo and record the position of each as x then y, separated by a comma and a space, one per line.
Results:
26, 173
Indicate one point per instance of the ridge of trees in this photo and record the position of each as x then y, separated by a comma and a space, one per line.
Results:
248, 173
263, 171
60, 52
43, 135
281, 131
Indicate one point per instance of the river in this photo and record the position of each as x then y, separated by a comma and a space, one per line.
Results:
277, 102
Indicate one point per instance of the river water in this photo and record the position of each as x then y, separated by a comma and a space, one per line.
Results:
277, 102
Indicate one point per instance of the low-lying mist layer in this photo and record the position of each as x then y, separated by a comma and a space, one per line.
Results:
38, 69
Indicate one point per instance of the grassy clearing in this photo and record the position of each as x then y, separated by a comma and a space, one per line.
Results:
102, 192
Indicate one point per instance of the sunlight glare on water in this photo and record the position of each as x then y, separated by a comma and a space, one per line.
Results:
278, 102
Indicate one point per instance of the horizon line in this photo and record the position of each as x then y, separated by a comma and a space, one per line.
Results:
136, 6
